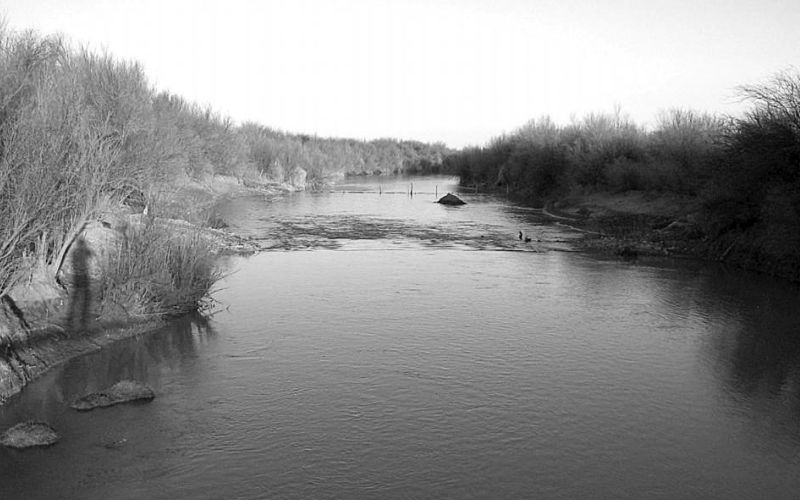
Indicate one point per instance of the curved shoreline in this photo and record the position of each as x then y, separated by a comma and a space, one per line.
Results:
47, 344
638, 224
51, 349
31, 347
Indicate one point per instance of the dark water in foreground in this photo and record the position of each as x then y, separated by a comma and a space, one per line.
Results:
421, 351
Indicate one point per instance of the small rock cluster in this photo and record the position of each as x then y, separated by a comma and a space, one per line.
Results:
121, 392
28, 434
31, 433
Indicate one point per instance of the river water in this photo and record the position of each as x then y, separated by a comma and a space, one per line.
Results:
385, 346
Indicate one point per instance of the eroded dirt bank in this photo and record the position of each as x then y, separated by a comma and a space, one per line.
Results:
635, 224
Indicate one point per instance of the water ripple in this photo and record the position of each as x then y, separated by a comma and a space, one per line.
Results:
342, 232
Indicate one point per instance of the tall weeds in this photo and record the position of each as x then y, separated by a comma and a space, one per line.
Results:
177, 274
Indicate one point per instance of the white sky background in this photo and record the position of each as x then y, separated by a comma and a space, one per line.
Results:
460, 72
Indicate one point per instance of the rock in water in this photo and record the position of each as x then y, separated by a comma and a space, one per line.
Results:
451, 199
28, 434
121, 392
113, 445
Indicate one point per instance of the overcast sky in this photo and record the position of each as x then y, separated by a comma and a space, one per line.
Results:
459, 72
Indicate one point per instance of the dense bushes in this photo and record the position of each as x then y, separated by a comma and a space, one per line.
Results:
80, 134
542, 160
753, 196
59, 158
724, 160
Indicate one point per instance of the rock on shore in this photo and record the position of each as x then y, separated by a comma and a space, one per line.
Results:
28, 434
121, 392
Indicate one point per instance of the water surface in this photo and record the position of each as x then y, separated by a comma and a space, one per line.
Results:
390, 347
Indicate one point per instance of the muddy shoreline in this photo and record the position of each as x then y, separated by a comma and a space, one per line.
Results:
51, 348
43, 345
633, 225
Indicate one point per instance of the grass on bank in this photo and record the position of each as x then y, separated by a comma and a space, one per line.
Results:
179, 270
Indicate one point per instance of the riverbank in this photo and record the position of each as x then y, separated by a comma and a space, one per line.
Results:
52, 346
637, 223
34, 317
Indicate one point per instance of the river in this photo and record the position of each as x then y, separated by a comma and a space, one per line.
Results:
385, 346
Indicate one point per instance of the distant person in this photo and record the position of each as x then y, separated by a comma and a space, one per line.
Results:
81, 296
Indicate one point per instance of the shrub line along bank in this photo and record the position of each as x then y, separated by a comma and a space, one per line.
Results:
741, 176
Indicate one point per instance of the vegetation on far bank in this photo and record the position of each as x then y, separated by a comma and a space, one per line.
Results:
84, 134
743, 173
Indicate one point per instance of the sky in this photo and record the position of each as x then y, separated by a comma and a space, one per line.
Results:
459, 72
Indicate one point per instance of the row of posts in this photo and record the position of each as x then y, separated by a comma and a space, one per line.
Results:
410, 190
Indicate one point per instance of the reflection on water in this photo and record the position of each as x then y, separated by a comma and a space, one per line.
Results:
402, 368
141, 358
104, 446
756, 343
